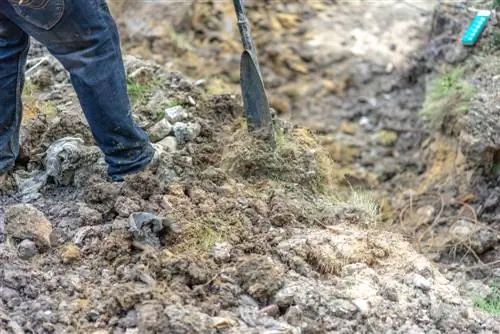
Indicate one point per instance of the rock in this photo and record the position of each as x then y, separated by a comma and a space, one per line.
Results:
160, 130
222, 252
169, 144
186, 132
175, 114
92, 315
27, 249
42, 78
130, 320
69, 253
421, 282
362, 305
24, 221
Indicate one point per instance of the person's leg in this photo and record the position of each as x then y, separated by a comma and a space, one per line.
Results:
83, 36
14, 44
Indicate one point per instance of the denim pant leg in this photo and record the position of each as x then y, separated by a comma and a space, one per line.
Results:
83, 36
14, 44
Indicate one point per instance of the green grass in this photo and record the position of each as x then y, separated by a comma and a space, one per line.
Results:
138, 92
447, 98
490, 304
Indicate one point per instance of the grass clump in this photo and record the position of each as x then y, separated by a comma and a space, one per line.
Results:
490, 304
447, 99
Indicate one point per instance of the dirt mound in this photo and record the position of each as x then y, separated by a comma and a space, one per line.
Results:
225, 237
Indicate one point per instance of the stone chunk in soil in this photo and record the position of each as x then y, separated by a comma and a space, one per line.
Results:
175, 114
186, 132
160, 130
27, 249
24, 221
169, 144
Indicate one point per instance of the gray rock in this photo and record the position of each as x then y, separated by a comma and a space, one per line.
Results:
27, 249
362, 305
175, 114
421, 282
160, 130
169, 144
130, 320
186, 132
222, 252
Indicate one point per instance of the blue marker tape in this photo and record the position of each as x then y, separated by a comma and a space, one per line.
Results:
476, 27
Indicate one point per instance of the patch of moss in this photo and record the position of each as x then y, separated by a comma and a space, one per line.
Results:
447, 98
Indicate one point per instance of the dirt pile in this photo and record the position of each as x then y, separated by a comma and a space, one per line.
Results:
203, 245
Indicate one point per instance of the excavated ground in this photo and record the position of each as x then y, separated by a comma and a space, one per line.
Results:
229, 237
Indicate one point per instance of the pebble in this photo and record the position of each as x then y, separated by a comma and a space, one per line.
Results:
27, 249
186, 132
362, 305
175, 114
222, 252
421, 282
160, 130
92, 315
169, 144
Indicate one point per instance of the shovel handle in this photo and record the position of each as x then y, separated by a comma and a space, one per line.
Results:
246, 37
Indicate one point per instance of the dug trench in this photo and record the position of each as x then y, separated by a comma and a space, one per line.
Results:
227, 236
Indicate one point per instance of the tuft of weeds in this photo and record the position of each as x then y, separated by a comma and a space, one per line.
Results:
447, 99
490, 304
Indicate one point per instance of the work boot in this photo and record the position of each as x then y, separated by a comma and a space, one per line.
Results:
150, 168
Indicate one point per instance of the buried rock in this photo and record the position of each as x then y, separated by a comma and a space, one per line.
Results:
24, 221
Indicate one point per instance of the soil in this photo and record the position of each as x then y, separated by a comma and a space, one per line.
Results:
366, 219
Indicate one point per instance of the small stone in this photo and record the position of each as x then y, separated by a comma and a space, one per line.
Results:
191, 101
130, 319
186, 132
421, 282
160, 130
194, 130
27, 249
69, 253
175, 114
362, 305
222, 252
169, 144
100, 331
92, 315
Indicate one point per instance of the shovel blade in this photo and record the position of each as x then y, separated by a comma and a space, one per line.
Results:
257, 111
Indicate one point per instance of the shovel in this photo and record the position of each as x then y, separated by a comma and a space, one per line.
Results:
257, 111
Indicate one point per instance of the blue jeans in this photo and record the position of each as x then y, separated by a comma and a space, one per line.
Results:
83, 36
